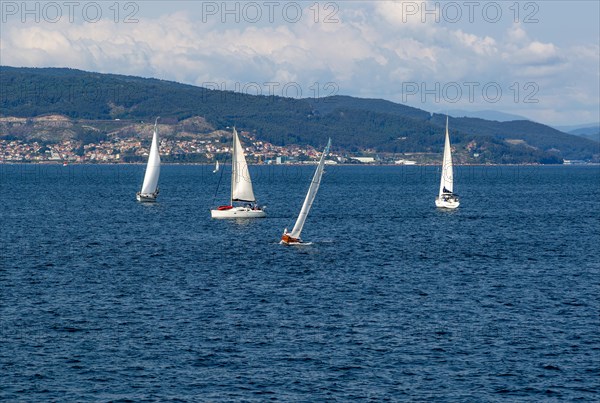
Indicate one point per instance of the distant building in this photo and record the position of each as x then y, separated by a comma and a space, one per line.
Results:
405, 162
365, 160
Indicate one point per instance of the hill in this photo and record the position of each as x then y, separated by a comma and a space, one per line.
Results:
356, 125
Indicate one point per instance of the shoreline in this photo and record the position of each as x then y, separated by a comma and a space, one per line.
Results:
52, 163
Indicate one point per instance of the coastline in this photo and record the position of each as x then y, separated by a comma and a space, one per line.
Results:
56, 163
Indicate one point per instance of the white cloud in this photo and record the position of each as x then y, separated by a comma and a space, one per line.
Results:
516, 34
408, 14
485, 46
373, 50
534, 54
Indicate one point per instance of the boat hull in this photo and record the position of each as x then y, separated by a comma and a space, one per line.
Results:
450, 204
237, 212
146, 198
295, 243
286, 239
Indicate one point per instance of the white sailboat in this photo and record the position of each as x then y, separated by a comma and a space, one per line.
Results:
447, 198
241, 188
150, 189
293, 238
216, 168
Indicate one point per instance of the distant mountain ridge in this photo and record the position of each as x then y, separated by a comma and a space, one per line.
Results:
592, 133
486, 114
355, 124
588, 130
585, 131
571, 128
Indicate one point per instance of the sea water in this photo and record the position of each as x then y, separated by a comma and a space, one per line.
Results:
104, 298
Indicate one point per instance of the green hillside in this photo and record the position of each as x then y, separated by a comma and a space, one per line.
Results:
355, 124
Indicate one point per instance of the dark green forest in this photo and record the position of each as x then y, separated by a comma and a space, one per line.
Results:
355, 124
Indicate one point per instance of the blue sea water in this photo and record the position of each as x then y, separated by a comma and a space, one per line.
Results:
106, 299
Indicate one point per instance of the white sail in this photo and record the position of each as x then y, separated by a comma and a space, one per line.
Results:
310, 196
153, 167
216, 167
241, 184
447, 181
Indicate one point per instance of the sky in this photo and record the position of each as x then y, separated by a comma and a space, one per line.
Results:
537, 59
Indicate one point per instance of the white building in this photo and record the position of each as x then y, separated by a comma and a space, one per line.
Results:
365, 160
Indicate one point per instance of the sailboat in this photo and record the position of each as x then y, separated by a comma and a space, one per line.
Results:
216, 168
447, 198
241, 188
150, 190
293, 238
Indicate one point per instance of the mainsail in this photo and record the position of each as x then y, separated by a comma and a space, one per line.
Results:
310, 196
241, 184
447, 181
153, 166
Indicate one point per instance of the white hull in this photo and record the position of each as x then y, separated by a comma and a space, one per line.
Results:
295, 243
146, 198
440, 203
237, 212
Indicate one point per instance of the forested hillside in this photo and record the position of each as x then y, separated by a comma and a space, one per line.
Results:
355, 124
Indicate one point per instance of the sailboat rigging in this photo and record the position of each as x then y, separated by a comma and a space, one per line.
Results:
293, 238
241, 188
446, 197
150, 190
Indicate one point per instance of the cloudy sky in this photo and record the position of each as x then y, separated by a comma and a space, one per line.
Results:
536, 59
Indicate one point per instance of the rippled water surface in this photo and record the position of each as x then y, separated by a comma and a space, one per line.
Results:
103, 298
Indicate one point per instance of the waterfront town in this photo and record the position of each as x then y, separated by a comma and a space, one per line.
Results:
133, 147
136, 150
58, 139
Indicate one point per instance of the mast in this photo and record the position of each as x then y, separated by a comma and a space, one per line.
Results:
310, 196
233, 165
447, 180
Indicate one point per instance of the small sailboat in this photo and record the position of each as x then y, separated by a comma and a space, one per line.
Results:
216, 168
150, 190
447, 198
293, 238
241, 188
